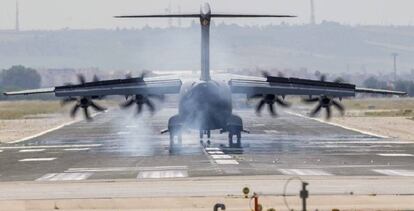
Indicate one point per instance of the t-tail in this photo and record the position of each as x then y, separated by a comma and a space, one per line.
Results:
205, 16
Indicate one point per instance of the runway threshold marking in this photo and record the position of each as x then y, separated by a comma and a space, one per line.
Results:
395, 172
304, 172
64, 177
162, 174
36, 159
219, 157
338, 125
395, 155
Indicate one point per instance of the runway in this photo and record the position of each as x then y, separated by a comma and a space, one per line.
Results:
119, 145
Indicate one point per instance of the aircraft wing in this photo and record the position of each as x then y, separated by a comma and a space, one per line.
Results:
130, 86
282, 86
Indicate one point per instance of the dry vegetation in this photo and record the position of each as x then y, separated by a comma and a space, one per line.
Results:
28, 109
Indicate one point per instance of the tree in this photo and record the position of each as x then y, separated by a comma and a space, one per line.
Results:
20, 77
371, 82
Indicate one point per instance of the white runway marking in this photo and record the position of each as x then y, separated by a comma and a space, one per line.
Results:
1, 150
162, 174
32, 150
117, 169
64, 177
77, 149
221, 156
227, 162
53, 146
271, 131
215, 152
398, 172
213, 149
304, 172
108, 169
396, 155
36, 159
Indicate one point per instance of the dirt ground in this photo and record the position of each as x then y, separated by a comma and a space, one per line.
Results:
236, 203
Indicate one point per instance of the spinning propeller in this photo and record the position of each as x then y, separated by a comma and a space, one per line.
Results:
325, 102
141, 100
84, 102
270, 100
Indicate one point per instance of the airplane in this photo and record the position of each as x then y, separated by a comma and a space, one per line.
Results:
206, 104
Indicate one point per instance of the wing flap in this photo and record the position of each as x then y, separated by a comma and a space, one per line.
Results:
296, 86
151, 87
291, 87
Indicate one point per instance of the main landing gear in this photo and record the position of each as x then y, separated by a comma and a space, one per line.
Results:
205, 132
234, 127
175, 130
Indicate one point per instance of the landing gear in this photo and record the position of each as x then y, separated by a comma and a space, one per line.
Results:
205, 132
175, 130
238, 136
234, 128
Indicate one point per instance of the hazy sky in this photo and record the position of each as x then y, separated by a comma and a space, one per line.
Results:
57, 14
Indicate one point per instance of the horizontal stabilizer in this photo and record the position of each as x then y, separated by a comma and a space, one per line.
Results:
211, 15
250, 16
161, 16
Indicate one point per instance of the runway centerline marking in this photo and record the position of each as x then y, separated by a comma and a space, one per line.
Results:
36, 159
32, 150
64, 177
304, 172
395, 155
395, 172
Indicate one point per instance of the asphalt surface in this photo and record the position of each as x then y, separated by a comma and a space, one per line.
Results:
119, 145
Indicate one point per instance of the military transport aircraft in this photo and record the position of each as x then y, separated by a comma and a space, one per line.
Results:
206, 104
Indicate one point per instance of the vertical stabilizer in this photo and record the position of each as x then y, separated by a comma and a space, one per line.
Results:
205, 19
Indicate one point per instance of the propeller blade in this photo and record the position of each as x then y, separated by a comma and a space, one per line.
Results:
265, 74
339, 106
328, 112
282, 102
316, 110
139, 109
81, 79
254, 96
95, 78
86, 113
150, 106
323, 78
310, 100
260, 106
67, 100
159, 97
272, 110
74, 110
128, 103
143, 74
97, 107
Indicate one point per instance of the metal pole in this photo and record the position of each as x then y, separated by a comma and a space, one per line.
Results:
304, 194
394, 55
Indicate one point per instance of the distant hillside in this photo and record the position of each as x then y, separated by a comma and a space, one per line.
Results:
328, 47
